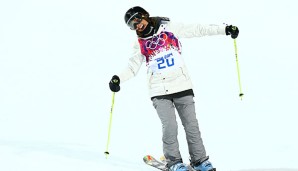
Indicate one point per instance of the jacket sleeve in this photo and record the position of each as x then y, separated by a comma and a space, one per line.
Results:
134, 64
196, 30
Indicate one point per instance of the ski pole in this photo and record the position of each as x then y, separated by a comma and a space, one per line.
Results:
110, 126
238, 69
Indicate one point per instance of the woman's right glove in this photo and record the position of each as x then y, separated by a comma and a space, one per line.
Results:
115, 84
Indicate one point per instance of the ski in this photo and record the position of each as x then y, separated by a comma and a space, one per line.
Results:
160, 164
151, 161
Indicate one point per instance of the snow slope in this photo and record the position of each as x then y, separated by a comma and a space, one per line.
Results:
36, 156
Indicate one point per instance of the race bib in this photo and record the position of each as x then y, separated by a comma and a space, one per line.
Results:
165, 61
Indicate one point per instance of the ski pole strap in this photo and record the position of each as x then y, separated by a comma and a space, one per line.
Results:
110, 126
238, 69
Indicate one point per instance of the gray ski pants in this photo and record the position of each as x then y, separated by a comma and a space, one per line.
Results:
185, 107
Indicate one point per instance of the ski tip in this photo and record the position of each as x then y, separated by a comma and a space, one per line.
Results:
147, 158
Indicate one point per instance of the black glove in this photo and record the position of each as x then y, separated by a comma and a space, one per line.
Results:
115, 84
233, 31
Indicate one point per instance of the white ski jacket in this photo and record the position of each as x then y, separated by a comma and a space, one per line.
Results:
166, 71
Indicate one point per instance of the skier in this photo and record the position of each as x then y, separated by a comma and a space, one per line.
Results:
169, 84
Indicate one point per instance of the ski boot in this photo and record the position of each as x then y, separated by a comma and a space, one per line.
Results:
203, 165
179, 167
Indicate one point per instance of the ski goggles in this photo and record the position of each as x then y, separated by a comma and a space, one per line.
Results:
134, 20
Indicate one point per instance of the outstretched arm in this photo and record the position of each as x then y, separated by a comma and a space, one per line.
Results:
134, 64
198, 30
133, 67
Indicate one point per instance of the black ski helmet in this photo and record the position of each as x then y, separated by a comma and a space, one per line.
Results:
132, 11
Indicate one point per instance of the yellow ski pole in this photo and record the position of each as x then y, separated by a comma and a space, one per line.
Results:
110, 126
238, 69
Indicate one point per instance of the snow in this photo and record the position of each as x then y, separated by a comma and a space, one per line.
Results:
53, 156
56, 58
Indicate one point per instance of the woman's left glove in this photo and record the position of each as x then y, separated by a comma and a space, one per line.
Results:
233, 31
115, 84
